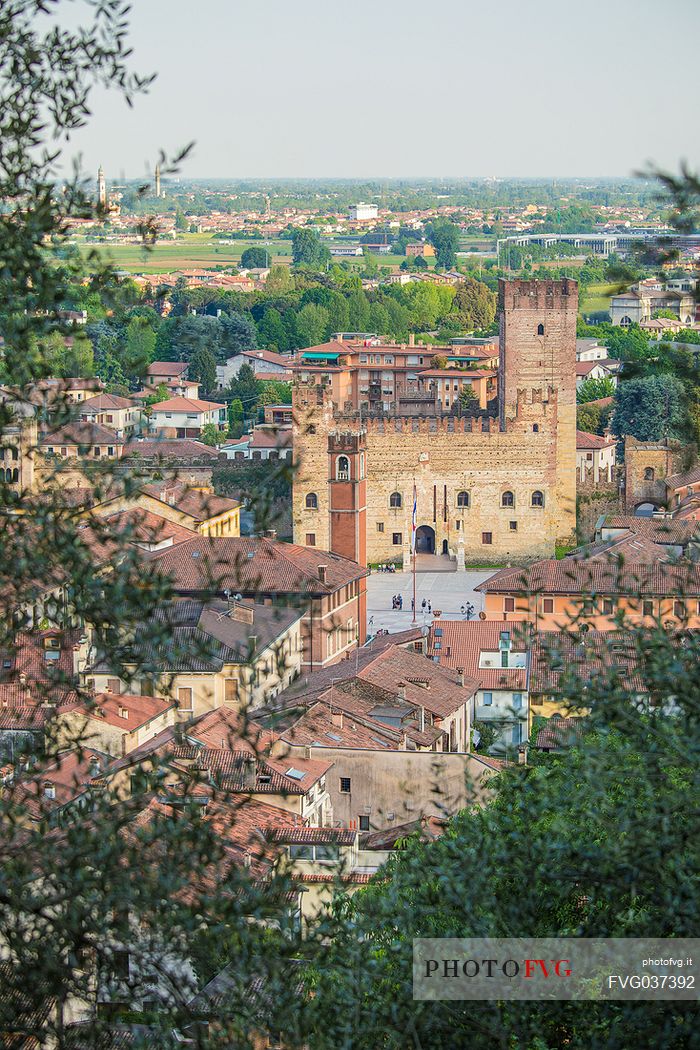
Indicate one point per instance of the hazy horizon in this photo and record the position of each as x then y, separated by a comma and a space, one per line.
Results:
313, 91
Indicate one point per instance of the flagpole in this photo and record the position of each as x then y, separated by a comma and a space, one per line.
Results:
413, 550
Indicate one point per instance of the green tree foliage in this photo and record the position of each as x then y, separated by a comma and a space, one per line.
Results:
246, 388
280, 280
255, 258
272, 332
312, 325
626, 344
593, 419
180, 221
652, 408
420, 263
595, 390
203, 370
211, 435
308, 249
474, 305
276, 393
139, 348
444, 236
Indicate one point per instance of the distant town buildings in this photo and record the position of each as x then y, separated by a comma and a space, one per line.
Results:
644, 299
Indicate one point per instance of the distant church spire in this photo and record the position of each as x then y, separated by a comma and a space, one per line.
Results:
157, 180
101, 187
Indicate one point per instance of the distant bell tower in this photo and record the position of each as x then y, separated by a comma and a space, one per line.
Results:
157, 180
101, 187
348, 495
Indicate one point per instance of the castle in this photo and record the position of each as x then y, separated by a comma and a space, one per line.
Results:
493, 487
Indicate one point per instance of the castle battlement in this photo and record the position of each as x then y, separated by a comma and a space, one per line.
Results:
538, 295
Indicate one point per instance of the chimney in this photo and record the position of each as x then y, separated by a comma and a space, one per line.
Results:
49, 789
337, 718
422, 719
402, 692
460, 675
123, 712
411, 339
322, 570
270, 534
253, 642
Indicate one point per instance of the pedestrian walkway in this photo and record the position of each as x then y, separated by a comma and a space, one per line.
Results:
445, 591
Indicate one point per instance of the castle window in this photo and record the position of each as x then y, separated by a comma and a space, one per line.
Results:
537, 498
507, 499
395, 500
462, 499
513, 526
342, 468
311, 501
649, 474
535, 428
540, 329
380, 526
397, 539
310, 539
487, 537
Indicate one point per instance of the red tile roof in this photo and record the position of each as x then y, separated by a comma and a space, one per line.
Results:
138, 710
581, 576
169, 448
463, 641
200, 504
80, 433
254, 565
167, 368
105, 402
586, 440
560, 733
186, 404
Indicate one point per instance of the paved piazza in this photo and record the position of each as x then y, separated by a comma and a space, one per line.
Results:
447, 591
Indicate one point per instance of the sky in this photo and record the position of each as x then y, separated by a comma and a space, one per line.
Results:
405, 88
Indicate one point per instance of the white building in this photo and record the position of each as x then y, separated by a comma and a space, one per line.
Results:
263, 362
182, 417
596, 454
362, 211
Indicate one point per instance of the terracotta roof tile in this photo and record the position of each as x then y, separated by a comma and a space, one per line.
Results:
254, 565
581, 576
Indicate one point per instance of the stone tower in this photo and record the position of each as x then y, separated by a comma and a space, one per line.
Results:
101, 187
537, 370
347, 495
157, 180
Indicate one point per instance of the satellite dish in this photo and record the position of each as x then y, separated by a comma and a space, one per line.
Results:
238, 597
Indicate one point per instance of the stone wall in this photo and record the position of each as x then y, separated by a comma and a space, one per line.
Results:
530, 449
647, 465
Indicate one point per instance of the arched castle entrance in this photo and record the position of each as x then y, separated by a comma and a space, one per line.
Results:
425, 540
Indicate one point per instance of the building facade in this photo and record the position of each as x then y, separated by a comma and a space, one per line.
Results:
493, 486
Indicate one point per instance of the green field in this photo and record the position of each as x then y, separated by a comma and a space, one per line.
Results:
190, 251
597, 297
